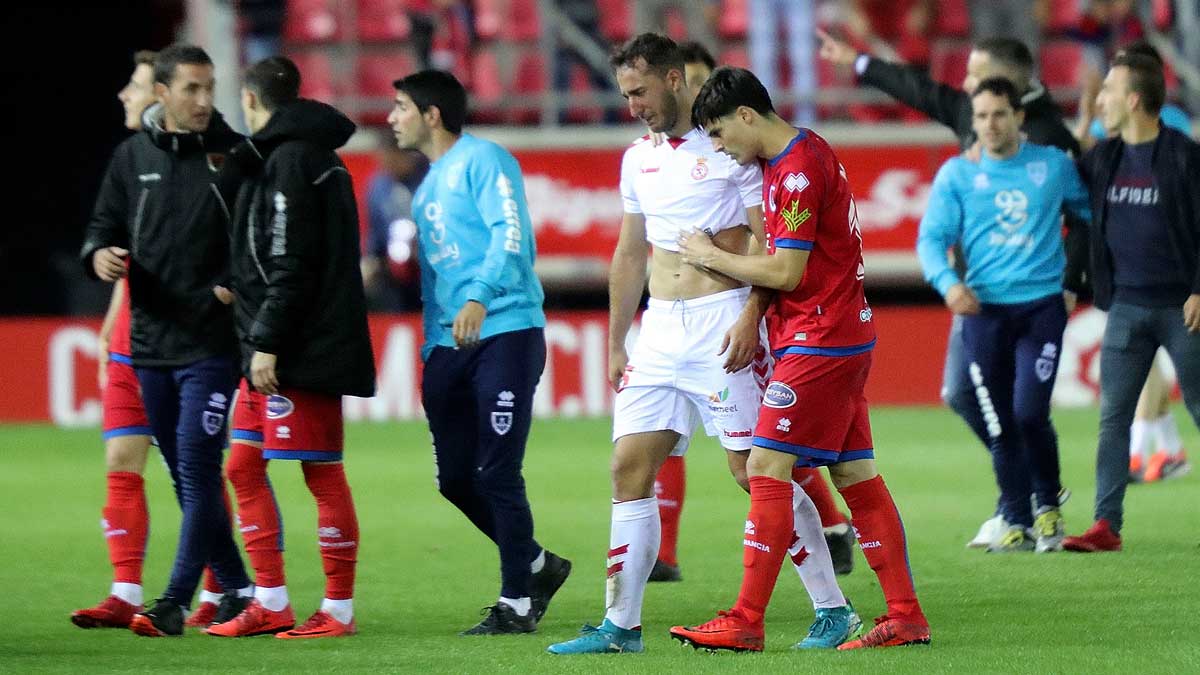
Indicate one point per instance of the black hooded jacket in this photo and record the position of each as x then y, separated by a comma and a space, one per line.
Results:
294, 236
158, 200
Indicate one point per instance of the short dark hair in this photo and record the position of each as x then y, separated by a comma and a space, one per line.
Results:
727, 89
144, 57
694, 52
660, 53
275, 80
1000, 86
1142, 48
175, 55
1145, 79
437, 88
1010, 52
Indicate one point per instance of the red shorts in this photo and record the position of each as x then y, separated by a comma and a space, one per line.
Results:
815, 408
121, 401
293, 424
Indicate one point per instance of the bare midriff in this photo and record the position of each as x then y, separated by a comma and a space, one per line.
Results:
672, 279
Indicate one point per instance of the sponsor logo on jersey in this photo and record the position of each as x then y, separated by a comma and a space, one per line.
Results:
1037, 172
738, 434
750, 530
865, 315
279, 407
779, 395
785, 425
329, 532
795, 182
501, 422
505, 399
217, 401
284, 433
793, 217
700, 170
720, 396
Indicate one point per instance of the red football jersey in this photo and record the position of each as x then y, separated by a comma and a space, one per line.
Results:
118, 341
809, 206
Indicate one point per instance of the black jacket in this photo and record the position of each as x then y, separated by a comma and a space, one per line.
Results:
158, 200
952, 107
1175, 162
297, 286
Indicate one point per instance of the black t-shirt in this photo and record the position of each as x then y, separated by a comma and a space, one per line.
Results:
1144, 269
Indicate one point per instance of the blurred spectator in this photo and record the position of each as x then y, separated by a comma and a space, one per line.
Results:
1106, 25
1019, 19
700, 17
896, 30
389, 263
585, 15
766, 18
453, 36
262, 28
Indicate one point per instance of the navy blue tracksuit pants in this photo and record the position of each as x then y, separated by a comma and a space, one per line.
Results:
189, 407
479, 402
1012, 359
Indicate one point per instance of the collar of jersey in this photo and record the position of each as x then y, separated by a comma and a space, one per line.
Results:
800, 135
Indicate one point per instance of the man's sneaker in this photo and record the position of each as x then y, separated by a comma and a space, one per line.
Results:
1100, 537
840, 539
1137, 469
729, 630
112, 613
665, 572
1014, 540
319, 625
544, 584
832, 627
1048, 528
163, 619
1162, 466
500, 619
230, 606
203, 617
992, 530
255, 620
607, 639
889, 632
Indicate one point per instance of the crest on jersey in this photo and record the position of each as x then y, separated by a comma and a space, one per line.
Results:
212, 422
981, 181
795, 182
501, 422
793, 217
700, 170
1037, 172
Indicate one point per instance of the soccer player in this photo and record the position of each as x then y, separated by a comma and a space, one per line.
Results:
991, 57
821, 331
302, 324
158, 218
1145, 255
676, 373
1004, 214
484, 343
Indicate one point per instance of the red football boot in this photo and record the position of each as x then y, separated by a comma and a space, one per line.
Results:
889, 632
255, 620
1097, 539
112, 613
319, 625
729, 630
203, 616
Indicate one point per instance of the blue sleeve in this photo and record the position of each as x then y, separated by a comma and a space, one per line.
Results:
499, 194
1076, 199
941, 227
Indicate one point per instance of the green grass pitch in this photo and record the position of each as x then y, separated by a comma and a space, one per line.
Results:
424, 572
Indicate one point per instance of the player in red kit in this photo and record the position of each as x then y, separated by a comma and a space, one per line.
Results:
814, 411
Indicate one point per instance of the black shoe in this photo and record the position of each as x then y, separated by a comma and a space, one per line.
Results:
164, 618
664, 572
231, 605
841, 550
501, 619
543, 585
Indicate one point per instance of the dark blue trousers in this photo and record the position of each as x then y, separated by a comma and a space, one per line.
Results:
188, 408
1012, 359
479, 403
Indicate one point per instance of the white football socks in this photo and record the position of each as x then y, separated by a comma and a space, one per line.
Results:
1137, 437
342, 610
633, 547
1166, 435
816, 569
131, 593
274, 599
209, 596
521, 606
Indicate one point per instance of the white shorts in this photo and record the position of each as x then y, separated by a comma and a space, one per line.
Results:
675, 377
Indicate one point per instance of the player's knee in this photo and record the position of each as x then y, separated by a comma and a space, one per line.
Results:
245, 466
126, 453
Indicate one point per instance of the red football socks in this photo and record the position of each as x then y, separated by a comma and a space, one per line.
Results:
258, 513
817, 489
126, 524
669, 488
881, 537
337, 526
768, 532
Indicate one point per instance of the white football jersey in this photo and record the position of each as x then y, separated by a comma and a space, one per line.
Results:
684, 185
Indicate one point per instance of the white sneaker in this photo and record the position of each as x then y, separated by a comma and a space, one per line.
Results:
990, 532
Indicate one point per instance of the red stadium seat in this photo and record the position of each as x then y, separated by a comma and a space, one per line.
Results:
489, 18
616, 20
1064, 15
313, 21
734, 56
953, 19
523, 22
317, 80
734, 20
487, 86
1061, 64
530, 81
948, 61
377, 71
383, 20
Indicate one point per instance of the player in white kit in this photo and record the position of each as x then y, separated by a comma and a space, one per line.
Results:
701, 354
